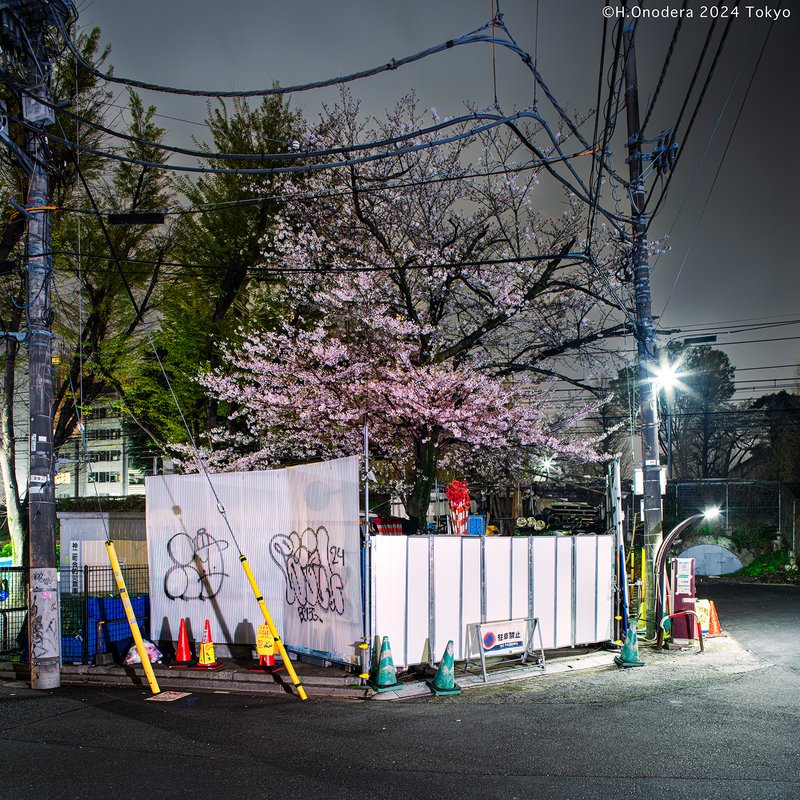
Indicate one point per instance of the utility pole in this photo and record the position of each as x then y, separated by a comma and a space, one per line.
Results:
25, 25
645, 336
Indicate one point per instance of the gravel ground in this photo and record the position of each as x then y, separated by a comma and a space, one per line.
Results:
664, 673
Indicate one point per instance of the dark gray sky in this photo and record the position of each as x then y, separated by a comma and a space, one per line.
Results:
739, 259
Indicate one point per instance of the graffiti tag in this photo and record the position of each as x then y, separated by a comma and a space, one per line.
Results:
313, 571
198, 566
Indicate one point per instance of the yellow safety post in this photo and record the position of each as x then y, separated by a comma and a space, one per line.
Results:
126, 602
268, 619
363, 647
643, 605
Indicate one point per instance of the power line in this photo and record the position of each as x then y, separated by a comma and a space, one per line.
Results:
690, 126
665, 67
722, 160
573, 259
395, 63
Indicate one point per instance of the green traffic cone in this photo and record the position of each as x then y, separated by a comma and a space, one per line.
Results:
386, 675
444, 681
629, 656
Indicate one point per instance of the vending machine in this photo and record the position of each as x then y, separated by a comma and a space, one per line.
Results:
684, 628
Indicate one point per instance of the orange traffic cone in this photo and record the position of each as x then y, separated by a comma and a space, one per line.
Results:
714, 628
207, 660
183, 656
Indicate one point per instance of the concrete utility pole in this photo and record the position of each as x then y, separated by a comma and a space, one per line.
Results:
25, 25
645, 337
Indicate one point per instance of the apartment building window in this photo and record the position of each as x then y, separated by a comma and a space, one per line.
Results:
105, 455
102, 434
104, 477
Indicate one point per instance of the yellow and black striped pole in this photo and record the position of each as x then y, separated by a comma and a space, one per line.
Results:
268, 619
126, 602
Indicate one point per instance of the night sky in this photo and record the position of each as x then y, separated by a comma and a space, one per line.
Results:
739, 257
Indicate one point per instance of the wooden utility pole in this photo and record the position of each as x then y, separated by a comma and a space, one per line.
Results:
24, 28
45, 628
645, 336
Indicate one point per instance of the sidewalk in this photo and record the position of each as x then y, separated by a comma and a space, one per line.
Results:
319, 682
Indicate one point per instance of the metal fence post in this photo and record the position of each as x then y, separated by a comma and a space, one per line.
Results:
85, 626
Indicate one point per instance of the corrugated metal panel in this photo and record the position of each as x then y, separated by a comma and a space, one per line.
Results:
298, 528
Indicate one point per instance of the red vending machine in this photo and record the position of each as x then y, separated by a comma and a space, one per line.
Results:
683, 599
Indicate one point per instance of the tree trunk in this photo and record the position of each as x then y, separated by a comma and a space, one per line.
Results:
8, 461
426, 461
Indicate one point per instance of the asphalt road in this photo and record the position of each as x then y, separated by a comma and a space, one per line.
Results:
725, 724
764, 618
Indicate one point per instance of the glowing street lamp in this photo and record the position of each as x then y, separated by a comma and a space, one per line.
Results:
666, 377
660, 563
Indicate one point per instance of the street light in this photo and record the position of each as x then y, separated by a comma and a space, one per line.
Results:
667, 379
660, 563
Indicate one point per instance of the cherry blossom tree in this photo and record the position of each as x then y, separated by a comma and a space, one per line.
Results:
428, 296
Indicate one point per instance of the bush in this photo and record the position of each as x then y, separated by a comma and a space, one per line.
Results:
765, 564
133, 502
756, 539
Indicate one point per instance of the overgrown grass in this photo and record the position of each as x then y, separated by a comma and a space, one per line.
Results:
766, 563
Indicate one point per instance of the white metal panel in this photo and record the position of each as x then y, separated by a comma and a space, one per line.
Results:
402, 570
447, 593
605, 588
471, 581
585, 589
497, 563
389, 557
418, 601
397, 576
520, 578
564, 606
299, 530
544, 586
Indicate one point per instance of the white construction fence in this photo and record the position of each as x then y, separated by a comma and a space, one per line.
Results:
426, 590
299, 528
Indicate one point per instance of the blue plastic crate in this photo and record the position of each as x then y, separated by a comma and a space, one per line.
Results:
476, 525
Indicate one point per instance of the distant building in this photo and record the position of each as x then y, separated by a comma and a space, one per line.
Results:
102, 461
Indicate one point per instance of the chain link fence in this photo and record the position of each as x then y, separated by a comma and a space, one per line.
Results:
754, 513
13, 612
93, 620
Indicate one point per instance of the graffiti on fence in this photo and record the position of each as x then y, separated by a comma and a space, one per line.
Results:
198, 566
313, 569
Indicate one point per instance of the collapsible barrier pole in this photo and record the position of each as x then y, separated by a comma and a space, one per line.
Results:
126, 602
687, 613
268, 619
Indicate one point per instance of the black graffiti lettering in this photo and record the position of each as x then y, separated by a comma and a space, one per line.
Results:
308, 614
313, 571
198, 566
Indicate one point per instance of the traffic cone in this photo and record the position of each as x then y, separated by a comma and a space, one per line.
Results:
207, 660
629, 656
183, 656
444, 681
386, 675
714, 628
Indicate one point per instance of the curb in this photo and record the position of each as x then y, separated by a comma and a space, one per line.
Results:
238, 681
506, 675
